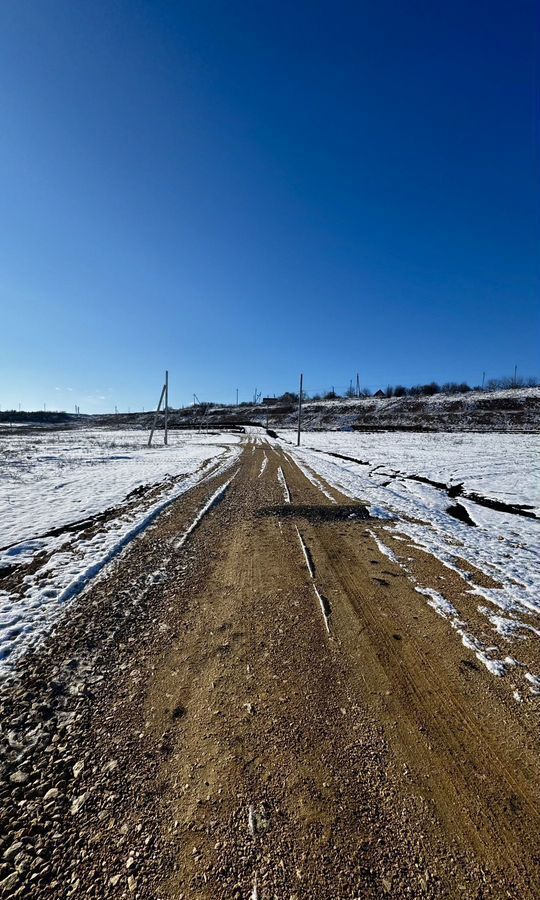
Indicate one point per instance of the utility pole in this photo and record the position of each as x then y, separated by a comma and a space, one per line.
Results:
515, 375
483, 379
237, 396
299, 410
164, 392
166, 435
357, 384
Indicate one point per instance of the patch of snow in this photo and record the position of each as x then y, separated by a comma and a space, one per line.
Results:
383, 548
534, 681
500, 466
323, 608
507, 627
495, 666
74, 476
304, 551
312, 478
504, 546
202, 512
377, 512
283, 483
439, 603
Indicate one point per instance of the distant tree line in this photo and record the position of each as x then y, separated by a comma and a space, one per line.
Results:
458, 387
17, 415
417, 390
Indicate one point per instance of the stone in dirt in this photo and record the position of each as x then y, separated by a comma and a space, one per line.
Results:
78, 803
18, 777
11, 851
9, 883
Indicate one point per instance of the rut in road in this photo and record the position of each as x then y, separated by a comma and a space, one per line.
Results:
267, 743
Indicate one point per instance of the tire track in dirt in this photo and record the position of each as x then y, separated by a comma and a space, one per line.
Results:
254, 653
480, 773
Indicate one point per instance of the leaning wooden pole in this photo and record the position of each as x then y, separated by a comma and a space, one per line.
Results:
299, 411
166, 435
156, 415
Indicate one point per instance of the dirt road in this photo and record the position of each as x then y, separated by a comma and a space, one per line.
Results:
264, 707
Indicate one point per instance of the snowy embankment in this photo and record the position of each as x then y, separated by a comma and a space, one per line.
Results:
516, 410
504, 411
503, 543
71, 500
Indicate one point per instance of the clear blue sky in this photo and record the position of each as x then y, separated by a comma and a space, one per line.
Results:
240, 191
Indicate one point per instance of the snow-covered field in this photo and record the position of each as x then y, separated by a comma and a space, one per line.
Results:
96, 489
52, 479
503, 545
501, 466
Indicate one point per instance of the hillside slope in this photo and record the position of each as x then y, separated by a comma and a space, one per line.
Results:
505, 411
512, 410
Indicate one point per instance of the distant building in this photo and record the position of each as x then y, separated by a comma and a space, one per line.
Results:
379, 393
268, 400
